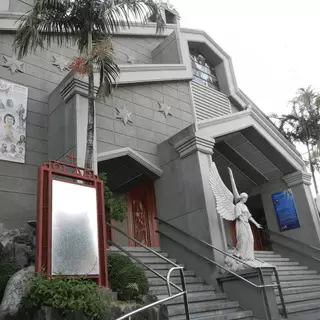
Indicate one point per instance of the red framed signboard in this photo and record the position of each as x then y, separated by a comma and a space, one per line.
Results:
71, 232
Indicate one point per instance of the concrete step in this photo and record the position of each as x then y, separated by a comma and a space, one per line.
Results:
232, 315
297, 277
155, 260
161, 266
195, 287
298, 290
194, 297
134, 249
295, 272
263, 252
176, 280
300, 283
303, 306
284, 263
291, 268
187, 273
273, 259
261, 256
300, 297
143, 254
217, 307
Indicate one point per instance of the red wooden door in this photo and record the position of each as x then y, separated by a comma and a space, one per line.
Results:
256, 236
142, 211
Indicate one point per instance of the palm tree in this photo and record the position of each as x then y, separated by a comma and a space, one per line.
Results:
302, 125
88, 24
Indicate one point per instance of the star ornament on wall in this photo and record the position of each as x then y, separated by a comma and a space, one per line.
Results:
131, 59
13, 64
165, 109
124, 115
60, 62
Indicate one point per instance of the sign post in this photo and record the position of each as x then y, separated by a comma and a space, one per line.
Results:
71, 230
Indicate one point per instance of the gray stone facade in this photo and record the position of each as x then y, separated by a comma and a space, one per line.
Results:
149, 126
18, 182
159, 92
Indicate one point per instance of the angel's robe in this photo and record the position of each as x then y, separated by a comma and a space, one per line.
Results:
245, 241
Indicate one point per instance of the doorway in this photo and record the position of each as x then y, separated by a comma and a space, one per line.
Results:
142, 211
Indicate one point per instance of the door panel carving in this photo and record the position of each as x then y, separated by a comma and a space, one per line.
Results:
141, 213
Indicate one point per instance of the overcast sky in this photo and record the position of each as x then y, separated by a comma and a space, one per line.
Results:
274, 44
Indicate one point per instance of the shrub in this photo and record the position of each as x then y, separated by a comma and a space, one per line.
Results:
67, 295
115, 204
6, 272
126, 278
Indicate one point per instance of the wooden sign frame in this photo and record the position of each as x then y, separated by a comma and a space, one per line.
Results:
70, 173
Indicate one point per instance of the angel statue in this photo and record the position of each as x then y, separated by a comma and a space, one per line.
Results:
232, 207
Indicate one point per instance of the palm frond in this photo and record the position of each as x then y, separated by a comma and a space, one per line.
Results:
103, 59
48, 20
120, 14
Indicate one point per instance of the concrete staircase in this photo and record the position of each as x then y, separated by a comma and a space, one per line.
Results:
204, 302
300, 286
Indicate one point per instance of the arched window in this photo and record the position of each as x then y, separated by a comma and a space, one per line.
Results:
203, 71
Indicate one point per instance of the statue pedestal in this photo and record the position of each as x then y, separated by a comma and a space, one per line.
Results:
263, 303
234, 265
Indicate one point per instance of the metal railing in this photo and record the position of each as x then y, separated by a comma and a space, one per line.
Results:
181, 291
261, 287
295, 241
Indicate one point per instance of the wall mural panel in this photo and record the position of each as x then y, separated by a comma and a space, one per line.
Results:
13, 114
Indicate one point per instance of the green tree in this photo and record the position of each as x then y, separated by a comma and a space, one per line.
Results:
88, 24
302, 125
115, 205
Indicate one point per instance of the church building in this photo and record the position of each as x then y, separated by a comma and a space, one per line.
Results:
176, 109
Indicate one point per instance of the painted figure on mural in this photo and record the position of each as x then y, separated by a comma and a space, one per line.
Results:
21, 141
228, 210
9, 122
21, 111
13, 149
4, 148
20, 154
10, 103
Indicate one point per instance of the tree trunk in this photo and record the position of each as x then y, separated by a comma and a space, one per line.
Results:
312, 170
91, 111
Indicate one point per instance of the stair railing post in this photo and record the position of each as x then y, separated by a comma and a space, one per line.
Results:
185, 295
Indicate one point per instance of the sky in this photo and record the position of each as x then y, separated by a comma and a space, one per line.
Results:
273, 44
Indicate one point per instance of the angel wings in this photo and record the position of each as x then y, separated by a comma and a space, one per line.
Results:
224, 197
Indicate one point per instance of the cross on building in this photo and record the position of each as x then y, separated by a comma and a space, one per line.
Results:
72, 158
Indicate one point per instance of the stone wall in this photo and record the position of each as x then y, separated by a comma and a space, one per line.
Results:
18, 182
149, 126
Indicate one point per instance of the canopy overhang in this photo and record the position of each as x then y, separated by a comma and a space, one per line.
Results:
252, 146
126, 169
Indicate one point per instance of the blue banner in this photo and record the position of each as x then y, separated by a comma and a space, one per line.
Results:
286, 212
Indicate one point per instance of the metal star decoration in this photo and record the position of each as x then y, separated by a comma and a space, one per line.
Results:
124, 115
165, 109
60, 62
13, 64
131, 59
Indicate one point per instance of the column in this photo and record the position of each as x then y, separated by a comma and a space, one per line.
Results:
185, 201
299, 182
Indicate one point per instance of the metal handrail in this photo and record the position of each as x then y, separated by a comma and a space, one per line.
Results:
262, 286
147, 267
183, 290
129, 315
294, 240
